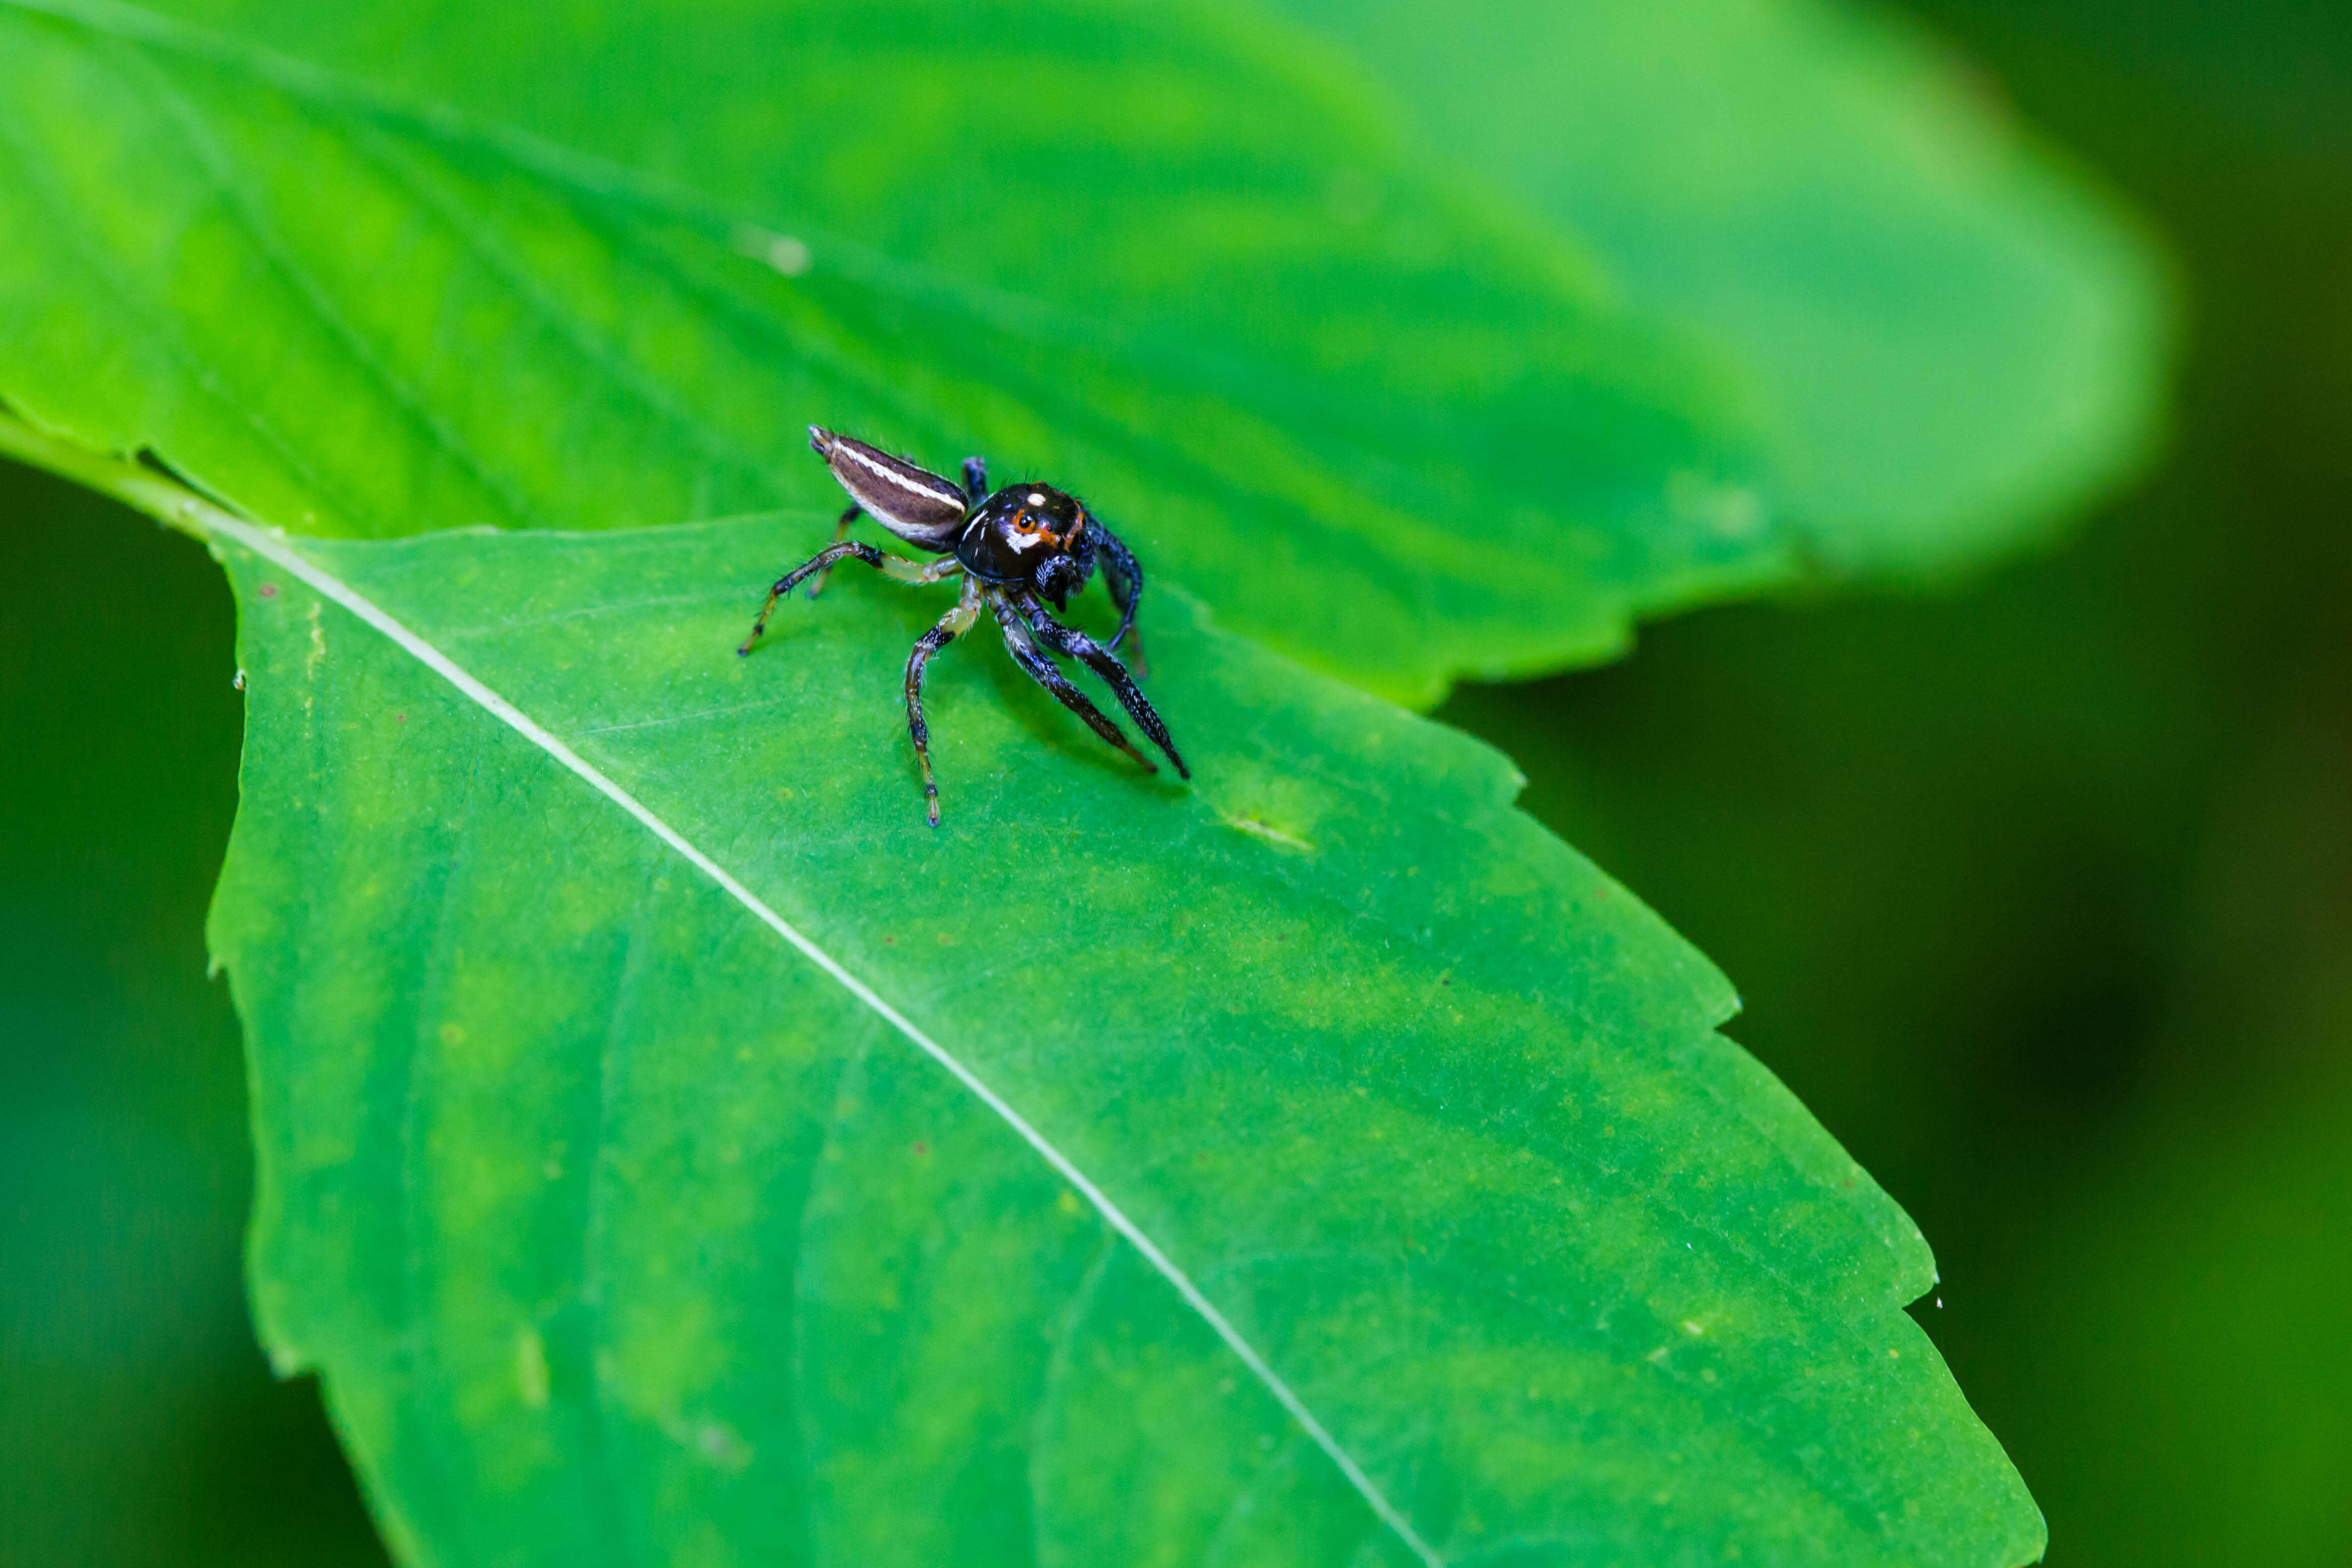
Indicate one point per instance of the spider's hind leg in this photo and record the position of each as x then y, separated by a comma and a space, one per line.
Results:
840, 532
1040, 669
1104, 663
898, 568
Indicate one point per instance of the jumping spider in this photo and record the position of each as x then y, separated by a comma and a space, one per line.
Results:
1017, 550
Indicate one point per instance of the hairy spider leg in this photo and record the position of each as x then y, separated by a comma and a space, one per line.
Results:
976, 480
840, 532
951, 626
1040, 669
1123, 575
896, 567
1104, 663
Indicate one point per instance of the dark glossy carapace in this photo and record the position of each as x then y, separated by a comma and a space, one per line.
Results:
1013, 535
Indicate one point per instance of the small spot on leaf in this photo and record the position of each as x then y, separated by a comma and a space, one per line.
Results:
531, 1369
1268, 832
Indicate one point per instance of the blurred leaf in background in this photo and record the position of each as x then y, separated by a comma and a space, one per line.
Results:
1950, 341
752, 219
1395, 422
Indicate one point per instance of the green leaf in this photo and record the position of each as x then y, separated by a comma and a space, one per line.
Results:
1949, 338
1365, 1118
372, 268
1399, 441
671, 1149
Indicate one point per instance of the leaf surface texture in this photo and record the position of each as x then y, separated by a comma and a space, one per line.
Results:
623, 1232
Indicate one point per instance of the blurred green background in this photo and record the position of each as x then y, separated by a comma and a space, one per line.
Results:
2039, 889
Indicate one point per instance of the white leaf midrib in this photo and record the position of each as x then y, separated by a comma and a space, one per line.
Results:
279, 552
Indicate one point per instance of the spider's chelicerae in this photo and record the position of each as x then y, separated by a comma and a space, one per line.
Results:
1018, 550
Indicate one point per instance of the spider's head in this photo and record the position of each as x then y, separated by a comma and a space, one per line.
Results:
1031, 535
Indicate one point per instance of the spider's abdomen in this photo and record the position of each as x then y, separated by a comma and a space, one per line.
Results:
1014, 532
916, 505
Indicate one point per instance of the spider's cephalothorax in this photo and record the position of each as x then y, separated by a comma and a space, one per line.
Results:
1017, 551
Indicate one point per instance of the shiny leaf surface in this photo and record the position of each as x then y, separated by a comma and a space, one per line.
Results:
623, 1228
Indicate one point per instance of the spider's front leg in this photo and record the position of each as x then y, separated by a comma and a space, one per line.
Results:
1123, 575
896, 567
1104, 663
1040, 669
951, 626
976, 480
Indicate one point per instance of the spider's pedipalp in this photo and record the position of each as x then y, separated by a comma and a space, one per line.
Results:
1105, 663
1040, 669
